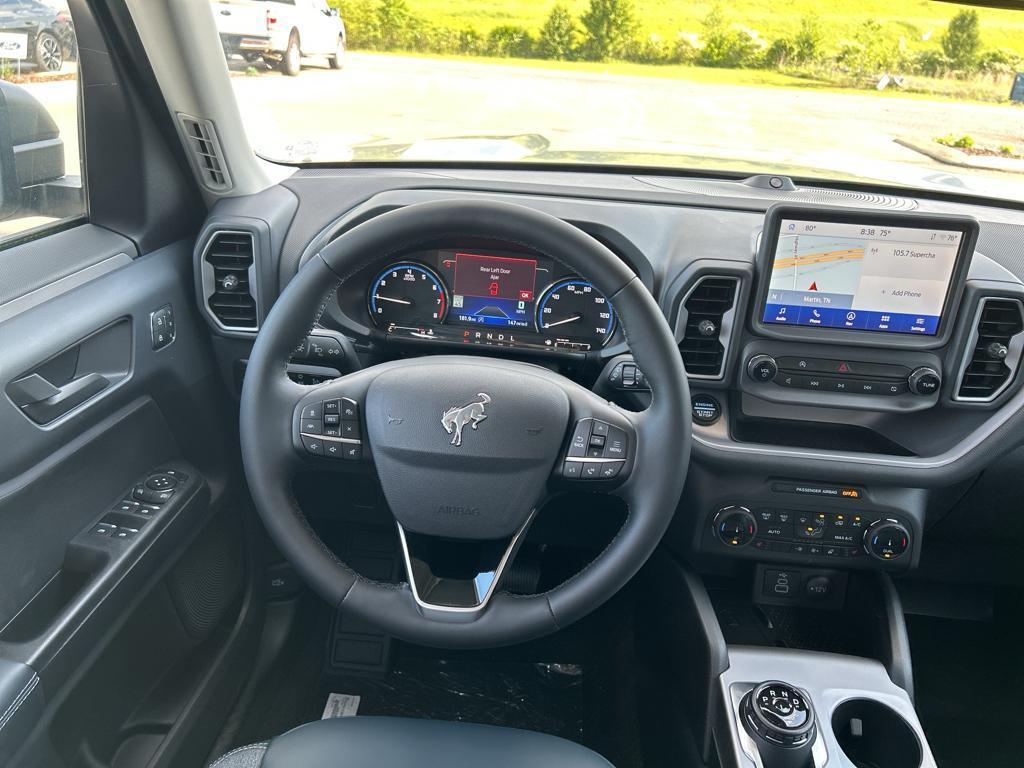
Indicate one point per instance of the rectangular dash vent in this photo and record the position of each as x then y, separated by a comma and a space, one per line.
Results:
228, 269
993, 350
705, 337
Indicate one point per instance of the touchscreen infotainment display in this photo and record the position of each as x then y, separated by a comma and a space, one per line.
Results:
855, 276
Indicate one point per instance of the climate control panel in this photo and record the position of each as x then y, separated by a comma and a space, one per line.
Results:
842, 538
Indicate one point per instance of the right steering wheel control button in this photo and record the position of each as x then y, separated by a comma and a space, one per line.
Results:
597, 451
572, 470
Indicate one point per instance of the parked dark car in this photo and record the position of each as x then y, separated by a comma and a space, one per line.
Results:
51, 33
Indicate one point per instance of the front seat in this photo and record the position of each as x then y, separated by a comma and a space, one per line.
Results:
391, 742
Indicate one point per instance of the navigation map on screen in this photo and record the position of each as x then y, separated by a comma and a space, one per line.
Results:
860, 277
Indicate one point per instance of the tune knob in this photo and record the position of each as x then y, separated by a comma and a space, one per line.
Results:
924, 381
762, 368
735, 526
887, 539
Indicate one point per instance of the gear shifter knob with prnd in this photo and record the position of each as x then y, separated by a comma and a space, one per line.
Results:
780, 720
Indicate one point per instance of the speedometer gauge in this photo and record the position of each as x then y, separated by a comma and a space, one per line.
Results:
575, 309
407, 293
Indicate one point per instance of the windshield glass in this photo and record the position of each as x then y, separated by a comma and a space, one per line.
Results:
913, 93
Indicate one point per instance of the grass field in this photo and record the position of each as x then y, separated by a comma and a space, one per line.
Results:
919, 20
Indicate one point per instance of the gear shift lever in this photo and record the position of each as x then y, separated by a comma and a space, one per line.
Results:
780, 720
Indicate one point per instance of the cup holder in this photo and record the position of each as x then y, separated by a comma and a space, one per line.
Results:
873, 735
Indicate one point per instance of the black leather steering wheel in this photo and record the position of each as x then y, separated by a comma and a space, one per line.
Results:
517, 423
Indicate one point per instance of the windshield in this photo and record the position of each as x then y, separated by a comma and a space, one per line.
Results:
913, 93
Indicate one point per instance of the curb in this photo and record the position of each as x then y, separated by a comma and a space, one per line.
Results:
950, 156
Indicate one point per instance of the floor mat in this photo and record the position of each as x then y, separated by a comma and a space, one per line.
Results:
543, 697
578, 684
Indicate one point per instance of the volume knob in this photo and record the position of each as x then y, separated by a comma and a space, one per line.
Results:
762, 368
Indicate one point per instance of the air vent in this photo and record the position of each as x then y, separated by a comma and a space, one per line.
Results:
228, 280
993, 350
706, 325
204, 148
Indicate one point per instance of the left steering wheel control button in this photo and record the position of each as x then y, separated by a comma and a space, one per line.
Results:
335, 432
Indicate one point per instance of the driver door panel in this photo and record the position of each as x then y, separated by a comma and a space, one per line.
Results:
95, 632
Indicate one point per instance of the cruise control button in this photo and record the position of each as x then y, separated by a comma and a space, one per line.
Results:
313, 445
350, 429
332, 419
311, 427
615, 444
332, 406
349, 409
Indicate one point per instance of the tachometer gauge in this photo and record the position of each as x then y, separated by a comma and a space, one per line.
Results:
575, 309
407, 293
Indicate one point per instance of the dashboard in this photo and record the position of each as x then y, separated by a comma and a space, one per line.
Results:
853, 356
485, 296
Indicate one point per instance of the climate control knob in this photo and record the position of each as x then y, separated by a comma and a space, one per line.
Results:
887, 539
762, 368
924, 381
735, 526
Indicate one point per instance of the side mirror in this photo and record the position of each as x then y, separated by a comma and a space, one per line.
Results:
31, 150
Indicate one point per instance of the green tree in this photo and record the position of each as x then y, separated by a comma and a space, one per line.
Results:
724, 45
609, 27
510, 40
962, 40
558, 35
808, 41
395, 22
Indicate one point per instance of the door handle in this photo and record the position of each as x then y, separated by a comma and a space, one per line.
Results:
43, 402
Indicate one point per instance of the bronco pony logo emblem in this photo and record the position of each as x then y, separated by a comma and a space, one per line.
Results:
458, 416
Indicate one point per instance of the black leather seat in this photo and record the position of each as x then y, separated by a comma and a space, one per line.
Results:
390, 742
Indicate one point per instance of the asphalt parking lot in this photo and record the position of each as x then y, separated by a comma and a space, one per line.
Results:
322, 112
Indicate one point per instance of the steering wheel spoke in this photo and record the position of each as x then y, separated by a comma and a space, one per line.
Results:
454, 581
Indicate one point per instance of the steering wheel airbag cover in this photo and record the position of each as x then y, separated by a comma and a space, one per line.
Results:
442, 431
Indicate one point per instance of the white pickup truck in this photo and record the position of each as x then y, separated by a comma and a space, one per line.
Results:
281, 32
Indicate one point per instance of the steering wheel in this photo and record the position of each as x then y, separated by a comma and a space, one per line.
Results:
466, 448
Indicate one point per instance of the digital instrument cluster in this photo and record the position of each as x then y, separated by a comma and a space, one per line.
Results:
489, 297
